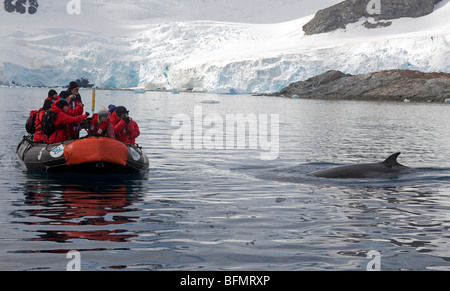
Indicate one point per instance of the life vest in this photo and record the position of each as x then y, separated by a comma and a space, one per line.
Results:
98, 128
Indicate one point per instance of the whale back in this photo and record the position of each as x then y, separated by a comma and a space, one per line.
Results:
373, 170
391, 161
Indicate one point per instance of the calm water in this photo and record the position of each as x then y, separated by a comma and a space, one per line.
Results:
199, 209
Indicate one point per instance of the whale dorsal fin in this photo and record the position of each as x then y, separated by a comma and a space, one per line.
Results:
392, 160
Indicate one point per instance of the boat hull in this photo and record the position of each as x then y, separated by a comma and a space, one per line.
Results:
86, 155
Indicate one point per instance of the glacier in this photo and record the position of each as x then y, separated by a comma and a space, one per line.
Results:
211, 55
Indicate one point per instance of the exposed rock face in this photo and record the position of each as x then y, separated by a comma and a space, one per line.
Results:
350, 11
390, 85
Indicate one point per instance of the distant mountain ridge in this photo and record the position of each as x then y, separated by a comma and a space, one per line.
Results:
350, 11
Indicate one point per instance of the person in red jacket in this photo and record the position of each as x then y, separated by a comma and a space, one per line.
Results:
133, 131
125, 129
62, 122
101, 125
52, 95
38, 136
78, 110
73, 97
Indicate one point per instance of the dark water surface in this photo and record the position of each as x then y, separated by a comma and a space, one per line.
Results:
226, 209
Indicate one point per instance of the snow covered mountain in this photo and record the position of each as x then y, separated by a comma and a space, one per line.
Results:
206, 45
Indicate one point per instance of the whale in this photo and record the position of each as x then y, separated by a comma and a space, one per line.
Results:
388, 167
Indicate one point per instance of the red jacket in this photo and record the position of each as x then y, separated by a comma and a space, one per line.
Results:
124, 132
49, 98
75, 111
63, 123
38, 136
74, 129
133, 132
101, 128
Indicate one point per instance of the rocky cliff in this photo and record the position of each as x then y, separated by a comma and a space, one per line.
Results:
391, 85
350, 11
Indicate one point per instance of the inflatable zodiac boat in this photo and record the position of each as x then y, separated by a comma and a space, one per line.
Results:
86, 155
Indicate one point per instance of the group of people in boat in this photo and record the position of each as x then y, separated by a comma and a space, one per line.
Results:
69, 119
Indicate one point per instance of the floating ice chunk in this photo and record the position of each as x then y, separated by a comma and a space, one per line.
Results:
210, 102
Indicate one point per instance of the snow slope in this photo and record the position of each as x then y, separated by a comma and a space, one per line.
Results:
146, 48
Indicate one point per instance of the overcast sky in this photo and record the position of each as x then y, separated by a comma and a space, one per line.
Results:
254, 11
111, 15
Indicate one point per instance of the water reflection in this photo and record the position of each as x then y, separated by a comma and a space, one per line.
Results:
403, 219
62, 200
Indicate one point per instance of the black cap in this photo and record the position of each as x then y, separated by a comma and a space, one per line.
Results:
64, 94
121, 110
47, 104
52, 93
73, 85
61, 103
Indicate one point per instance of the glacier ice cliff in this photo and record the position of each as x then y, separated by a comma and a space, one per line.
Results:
221, 57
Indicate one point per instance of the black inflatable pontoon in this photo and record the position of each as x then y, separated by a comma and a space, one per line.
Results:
87, 155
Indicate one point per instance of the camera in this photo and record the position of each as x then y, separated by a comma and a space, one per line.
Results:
77, 98
85, 123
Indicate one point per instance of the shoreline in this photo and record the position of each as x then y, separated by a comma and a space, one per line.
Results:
388, 85
378, 99
381, 86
